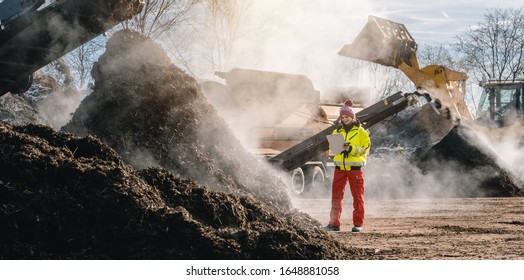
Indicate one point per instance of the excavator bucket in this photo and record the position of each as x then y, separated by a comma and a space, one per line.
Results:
384, 42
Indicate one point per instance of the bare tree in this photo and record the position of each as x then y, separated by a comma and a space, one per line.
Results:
435, 55
60, 71
495, 48
81, 61
388, 80
157, 19
225, 24
160, 17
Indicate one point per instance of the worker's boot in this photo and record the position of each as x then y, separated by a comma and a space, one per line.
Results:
330, 228
356, 229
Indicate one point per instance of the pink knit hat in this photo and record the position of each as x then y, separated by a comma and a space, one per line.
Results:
346, 109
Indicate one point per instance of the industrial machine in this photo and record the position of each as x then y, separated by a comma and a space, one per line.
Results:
272, 112
387, 43
296, 156
34, 33
390, 44
501, 102
281, 117
301, 148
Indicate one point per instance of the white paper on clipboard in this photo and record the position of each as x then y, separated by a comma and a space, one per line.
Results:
336, 142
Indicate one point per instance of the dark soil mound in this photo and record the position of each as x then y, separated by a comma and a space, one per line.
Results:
414, 129
65, 197
461, 150
153, 114
420, 152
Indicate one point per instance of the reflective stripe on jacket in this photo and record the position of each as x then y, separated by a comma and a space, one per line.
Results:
360, 143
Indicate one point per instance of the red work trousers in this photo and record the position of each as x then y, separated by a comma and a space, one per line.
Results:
356, 185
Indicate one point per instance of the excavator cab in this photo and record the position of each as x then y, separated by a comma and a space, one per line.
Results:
501, 102
389, 43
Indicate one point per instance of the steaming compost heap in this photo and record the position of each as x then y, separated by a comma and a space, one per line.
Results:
153, 114
421, 153
63, 196
459, 150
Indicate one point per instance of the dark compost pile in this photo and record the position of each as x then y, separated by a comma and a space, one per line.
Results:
459, 150
64, 197
153, 114
420, 152
177, 185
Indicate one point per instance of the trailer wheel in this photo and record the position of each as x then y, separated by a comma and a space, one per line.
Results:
298, 182
317, 178
21, 85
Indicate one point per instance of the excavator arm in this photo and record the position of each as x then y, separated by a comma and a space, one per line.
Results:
389, 43
34, 33
306, 150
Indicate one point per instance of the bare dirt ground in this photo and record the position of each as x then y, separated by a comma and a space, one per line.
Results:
432, 229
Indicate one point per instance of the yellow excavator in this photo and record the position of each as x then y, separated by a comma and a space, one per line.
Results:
389, 43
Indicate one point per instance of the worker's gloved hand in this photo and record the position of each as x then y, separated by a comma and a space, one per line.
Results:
348, 147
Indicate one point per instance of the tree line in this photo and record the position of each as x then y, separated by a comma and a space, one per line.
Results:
493, 49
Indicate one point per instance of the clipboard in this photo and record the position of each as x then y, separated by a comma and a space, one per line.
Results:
336, 142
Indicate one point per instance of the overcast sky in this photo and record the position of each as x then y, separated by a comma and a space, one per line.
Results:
437, 21
303, 36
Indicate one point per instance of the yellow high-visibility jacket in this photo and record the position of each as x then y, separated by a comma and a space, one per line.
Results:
358, 138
